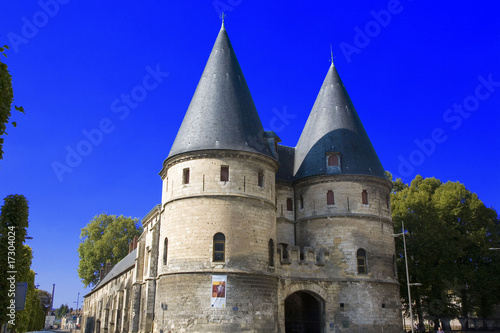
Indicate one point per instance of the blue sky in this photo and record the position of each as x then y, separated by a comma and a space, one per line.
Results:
105, 87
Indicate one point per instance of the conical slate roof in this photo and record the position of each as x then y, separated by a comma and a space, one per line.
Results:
334, 126
222, 114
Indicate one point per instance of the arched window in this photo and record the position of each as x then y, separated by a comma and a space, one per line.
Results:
165, 250
361, 256
333, 160
330, 199
271, 252
219, 247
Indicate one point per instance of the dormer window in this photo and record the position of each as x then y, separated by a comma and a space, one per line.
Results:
332, 163
333, 160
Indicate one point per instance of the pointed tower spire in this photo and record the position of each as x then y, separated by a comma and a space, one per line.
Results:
222, 114
222, 17
334, 127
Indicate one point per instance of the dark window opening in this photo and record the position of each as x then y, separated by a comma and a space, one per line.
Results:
364, 197
219, 247
271, 253
185, 176
289, 204
260, 179
330, 199
301, 202
285, 251
165, 251
361, 258
224, 173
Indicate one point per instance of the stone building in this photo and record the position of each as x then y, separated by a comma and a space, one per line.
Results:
255, 236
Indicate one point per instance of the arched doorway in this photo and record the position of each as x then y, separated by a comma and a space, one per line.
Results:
304, 313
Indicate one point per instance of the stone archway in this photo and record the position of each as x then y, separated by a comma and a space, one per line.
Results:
304, 313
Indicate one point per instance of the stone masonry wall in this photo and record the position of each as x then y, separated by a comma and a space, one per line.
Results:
239, 208
251, 304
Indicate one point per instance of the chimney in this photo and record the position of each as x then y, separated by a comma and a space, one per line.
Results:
135, 242
109, 266
101, 274
130, 246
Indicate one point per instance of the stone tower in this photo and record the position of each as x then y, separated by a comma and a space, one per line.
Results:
218, 218
341, 218
255, 236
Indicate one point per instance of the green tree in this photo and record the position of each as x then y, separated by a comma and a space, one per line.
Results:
448, 233
6, 99
14, 257
62, 311
104, 239
45, 300
13, 225
37, 321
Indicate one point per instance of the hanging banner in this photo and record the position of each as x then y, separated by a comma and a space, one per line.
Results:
219, 284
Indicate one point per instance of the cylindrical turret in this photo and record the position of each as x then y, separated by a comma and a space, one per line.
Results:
218, 226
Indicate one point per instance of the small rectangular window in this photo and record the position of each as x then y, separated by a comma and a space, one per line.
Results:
361, 259
260, 179
289, 204
301, 202
185, 176
364, 197
224, 173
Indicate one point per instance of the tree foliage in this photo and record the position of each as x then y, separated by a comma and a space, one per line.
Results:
106, 238
45, 300
448, 235
6, 99
13, 223
62, 311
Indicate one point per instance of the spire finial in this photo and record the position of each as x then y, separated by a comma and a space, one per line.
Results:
222, 17
331, 53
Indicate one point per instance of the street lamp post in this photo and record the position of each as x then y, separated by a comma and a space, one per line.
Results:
407, 274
